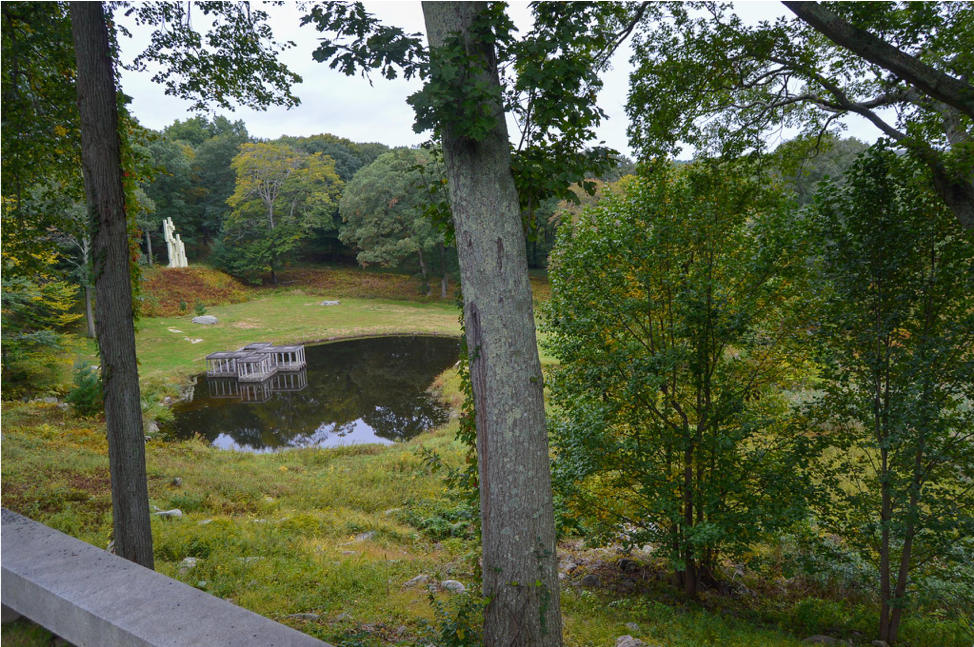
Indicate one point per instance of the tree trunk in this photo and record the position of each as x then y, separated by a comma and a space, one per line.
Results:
102, 166
89, 316
424, 271
445, 275
517, 516
148, 246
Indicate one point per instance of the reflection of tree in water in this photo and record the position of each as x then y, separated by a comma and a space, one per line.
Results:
379, 383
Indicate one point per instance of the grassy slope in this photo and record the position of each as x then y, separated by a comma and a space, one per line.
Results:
299, 512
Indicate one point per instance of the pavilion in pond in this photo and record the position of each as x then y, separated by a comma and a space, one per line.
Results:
255, 362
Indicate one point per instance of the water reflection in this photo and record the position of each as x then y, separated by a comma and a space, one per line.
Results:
361, 391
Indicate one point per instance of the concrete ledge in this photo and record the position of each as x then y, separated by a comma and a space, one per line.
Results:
92, 598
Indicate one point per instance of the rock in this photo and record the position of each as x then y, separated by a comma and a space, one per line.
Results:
64, 406
176, 481
633, 627
342, 617
567, 566
170, 514
167, 400
825, 640
419, 580
152, 427
201, 584
629, 641
561, 575
206, 320
330, 303
49, 400
175, 330
187, 565
204, 522
628, 565
452, 585
194, 340
365, 536
591, 581
303, 616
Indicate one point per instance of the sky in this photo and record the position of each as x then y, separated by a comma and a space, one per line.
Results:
352, 107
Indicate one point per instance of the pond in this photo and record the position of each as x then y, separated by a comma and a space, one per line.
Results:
361, 391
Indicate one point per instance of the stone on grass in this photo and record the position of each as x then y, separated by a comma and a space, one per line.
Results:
330, 303
152, 427
629, 641
170, 514
825, 640
419, 580
452, 585
187, 565
64, 406
176, 481
204, 522
206, 320
365, 536
303, 616
167, 400
591, 581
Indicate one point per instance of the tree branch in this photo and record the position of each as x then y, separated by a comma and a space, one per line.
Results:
943, 87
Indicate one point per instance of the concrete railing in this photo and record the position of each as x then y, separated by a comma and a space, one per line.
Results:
92, 598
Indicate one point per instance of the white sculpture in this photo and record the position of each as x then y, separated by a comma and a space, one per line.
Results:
177, 251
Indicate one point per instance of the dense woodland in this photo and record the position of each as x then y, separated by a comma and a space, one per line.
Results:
763, 356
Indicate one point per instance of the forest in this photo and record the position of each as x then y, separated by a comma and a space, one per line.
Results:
720, 392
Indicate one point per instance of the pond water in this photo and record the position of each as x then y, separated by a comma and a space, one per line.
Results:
360, 391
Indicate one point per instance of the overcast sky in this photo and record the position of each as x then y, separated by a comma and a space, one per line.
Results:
350, 107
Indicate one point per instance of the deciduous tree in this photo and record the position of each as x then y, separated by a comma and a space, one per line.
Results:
280, 196
678, 315
897, 334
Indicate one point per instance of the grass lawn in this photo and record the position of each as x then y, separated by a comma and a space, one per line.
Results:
338, 532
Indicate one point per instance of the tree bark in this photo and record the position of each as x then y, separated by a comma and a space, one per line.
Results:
424, 272
926, 78
89, 315
520, 576
102, 167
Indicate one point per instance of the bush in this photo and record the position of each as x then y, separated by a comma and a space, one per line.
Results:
200, 308
87, 395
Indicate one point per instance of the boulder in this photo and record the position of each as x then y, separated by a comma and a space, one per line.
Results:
187, 565
452, 585
628, 565
330, 303
419, 580
206, 320
629, 641
303, 616
152, 427
170, 514
591, 581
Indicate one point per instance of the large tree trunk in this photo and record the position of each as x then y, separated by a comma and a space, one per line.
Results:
102, 165
89, 315
519, 561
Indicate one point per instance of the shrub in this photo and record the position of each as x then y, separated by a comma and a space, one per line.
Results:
200, 308
87, 395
